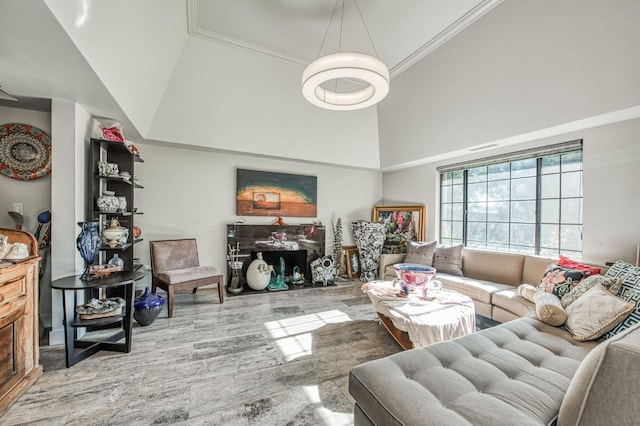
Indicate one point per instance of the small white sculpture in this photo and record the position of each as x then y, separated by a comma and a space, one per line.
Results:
12, 251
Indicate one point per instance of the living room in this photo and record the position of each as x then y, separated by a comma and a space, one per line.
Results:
520, 76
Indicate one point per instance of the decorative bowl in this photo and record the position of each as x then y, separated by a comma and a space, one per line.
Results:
414, 274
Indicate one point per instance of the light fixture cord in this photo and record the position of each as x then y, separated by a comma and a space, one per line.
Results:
335, 7
366, 29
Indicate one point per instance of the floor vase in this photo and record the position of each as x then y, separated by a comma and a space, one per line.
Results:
369, 238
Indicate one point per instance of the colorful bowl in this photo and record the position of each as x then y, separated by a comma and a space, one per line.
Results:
414, 274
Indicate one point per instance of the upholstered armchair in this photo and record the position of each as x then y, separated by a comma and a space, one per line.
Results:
175, 266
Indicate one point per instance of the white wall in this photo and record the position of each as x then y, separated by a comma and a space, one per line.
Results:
70, 128
133, 57
228, 99
191, 193
522, 67
35, 195
611, 205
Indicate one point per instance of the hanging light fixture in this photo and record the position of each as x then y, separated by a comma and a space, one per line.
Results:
345, 65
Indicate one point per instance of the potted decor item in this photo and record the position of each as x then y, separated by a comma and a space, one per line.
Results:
147, 307
113, 233
108, 202
258, 273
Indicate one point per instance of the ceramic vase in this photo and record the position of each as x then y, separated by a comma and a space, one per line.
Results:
117, 260
147, 307
369, 237
88, 244
258, 273
108, 202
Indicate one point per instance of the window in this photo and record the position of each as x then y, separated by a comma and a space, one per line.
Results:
529, 202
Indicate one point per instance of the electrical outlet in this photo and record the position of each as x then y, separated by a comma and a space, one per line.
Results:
17, 207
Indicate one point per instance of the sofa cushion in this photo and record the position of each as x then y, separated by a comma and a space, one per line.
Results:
610, 283
568, 263
560, 280
596, 312
517, 371
549, 309
534, 267
475, 289
504, 268
510, 300
448, 259
420, 252
629, 291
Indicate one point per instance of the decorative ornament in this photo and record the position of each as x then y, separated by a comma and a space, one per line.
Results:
25, 152
147, 307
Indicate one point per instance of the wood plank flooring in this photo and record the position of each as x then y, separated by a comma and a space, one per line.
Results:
269, 359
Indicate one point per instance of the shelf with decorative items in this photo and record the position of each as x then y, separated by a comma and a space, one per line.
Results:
112, 200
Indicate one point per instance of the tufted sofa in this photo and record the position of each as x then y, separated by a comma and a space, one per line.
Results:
490, 278
523, 372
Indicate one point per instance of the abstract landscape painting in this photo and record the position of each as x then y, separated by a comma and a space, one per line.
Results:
260, 193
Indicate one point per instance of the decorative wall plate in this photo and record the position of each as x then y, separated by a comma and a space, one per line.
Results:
25, 151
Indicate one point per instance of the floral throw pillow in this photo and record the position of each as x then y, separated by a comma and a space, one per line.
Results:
560, 280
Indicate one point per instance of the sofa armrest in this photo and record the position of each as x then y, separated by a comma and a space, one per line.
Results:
387, 260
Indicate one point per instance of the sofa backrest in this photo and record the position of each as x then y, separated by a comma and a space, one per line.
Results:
604, 389
499, 267
533, 269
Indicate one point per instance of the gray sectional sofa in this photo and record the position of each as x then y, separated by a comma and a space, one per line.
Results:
521, 372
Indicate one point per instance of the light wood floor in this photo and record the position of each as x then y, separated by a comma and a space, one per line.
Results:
269, 359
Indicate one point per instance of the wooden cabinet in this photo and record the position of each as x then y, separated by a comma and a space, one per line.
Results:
117, 153
19, 356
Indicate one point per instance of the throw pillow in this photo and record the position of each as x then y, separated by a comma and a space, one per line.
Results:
448, 259
549, 309
595, 313
568, 263
527, 291
629, 291
619, 269
420, 252
611, 284
560, 280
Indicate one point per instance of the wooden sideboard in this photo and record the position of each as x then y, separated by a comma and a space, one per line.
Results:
19, 350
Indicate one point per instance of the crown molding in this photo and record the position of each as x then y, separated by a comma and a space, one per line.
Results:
195, 30
467, 19
447, 34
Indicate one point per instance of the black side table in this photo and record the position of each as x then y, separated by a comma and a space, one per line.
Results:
72, 321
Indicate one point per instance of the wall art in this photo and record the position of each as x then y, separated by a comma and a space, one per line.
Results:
402, 224
260, 193
25, 151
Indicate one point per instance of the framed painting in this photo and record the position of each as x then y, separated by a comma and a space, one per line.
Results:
260, 193
402, 224
352, 261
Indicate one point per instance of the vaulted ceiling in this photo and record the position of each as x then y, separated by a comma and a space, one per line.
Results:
203, 72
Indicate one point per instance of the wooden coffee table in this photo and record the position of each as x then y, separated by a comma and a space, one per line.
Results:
415, 322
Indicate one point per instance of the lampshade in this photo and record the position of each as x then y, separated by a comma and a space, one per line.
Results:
345, 65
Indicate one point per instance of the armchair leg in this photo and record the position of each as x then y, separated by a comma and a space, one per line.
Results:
170, 301
221, 291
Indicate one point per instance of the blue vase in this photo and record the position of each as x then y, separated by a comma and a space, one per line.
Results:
88, 243
147, 307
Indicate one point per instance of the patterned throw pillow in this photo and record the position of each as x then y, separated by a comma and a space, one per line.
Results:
448, 259
629, 291
611, 284
420, 253
595, 313
560, 280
